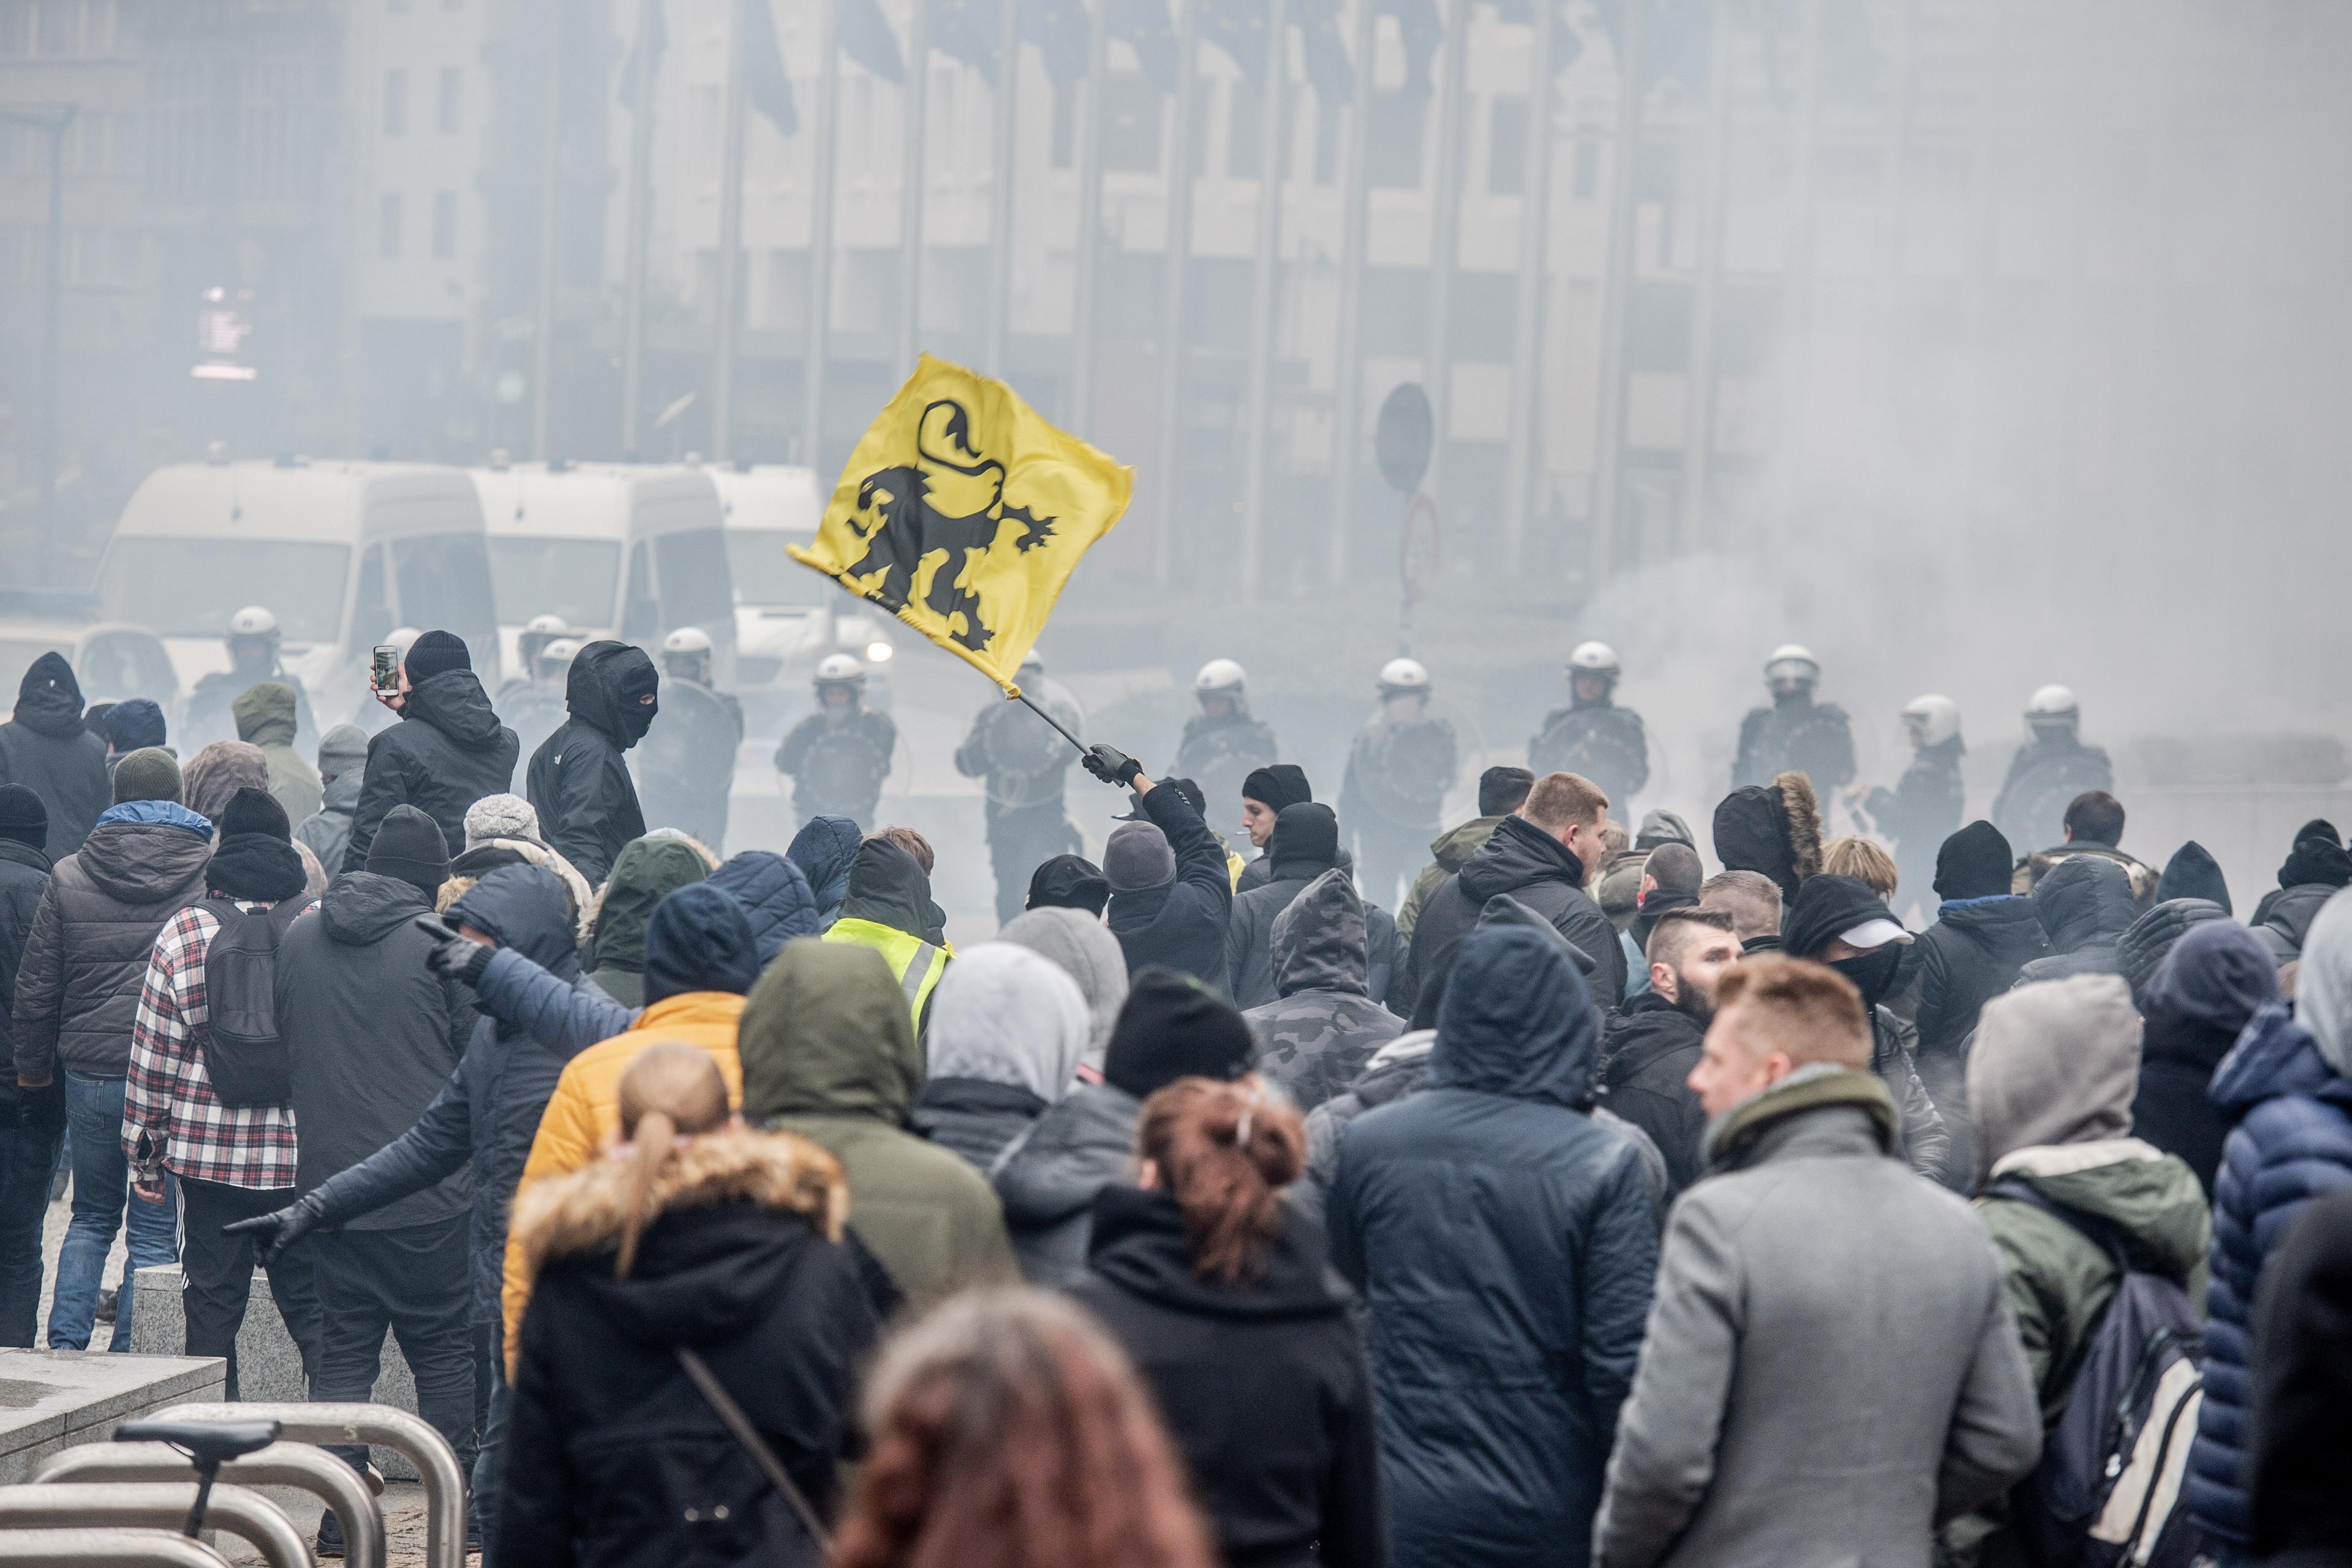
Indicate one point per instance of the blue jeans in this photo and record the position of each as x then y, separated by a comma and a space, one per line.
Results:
101, 1184
26, 1162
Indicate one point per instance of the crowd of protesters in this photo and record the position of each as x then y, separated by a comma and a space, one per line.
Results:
1590, 1206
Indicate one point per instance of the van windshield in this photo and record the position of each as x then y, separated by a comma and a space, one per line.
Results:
444, 581
190, 587
694, 577
574, 578
767, 578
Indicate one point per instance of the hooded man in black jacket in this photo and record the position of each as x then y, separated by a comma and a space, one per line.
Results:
579, 782
49, 750
1303, 845
1648, 1050
373, 1035
2085, 906
1982, 936
448, 751
1542, 854
2314, 869
1774, 829
1170, 895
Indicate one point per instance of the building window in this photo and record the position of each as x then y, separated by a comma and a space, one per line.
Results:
1244, 130
1131, 119
61, 28
395, 102
445, 225
388, 233
1392, 141
1506, 146
444, 106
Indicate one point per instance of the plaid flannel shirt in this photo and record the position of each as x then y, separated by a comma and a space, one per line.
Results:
171, 1117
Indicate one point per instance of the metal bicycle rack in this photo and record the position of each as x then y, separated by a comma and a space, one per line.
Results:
444, 1488
282, 1463
103, 1549
238, 1510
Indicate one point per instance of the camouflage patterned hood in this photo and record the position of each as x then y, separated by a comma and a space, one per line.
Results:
1318, 943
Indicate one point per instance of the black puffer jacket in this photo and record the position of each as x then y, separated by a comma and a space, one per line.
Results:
1531, 865
2148, 939
77, 990
447, 751
47, 749
2085, 906
371, 1034
1284, 1463
1646, 1056
579, 781
614, 1459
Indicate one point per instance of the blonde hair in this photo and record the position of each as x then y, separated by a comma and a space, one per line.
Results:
1563, 800
1806, 1011
913, 843
667, 1091
1862, 860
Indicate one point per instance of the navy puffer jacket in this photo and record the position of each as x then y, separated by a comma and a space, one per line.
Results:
2291, 1143
1504, 1240
774, 894
823, 849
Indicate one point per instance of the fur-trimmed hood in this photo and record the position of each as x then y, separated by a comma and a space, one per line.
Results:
1773, 828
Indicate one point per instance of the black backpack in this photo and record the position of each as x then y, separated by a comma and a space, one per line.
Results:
2108, 1491
244, 1057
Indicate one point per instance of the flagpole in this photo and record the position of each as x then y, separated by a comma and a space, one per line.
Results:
819, 299
1616, 293
1089, 238
1000, 224
910, 186
1444, 239
1523, 448
725, 306
1274, 99
640, 222
1355, 219
1165, 458
1023, 697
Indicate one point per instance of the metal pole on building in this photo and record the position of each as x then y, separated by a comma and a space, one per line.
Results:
1007, 137
640, 225
1265, 283
910, 188
819, 299
1523, 449
1167, 458
1089, 236
1706, 285
726, 303
1348, 413
1444, 237
551, 119
1616, 293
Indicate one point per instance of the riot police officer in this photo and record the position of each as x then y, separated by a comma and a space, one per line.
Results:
534, 708
252, 640
1926, 805
1398, 772
1592, 737
1024, 764
536, 634
1223, 744
685, 764
1796, 733
2049, 771
838, 755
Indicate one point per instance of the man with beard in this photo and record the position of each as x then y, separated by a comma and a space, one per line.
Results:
1592, 737
1648, 1050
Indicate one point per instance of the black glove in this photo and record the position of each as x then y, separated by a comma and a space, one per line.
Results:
42, 1112
456, 957
1111, 765
279, 1229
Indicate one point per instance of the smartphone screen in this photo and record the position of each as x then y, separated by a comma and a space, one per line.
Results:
385, 675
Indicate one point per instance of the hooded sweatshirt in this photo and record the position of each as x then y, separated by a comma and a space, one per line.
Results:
2193, 873
47, 749
2084, 905
1773, 828
1084, 950
1008, 1032
647, 871
1304, 845
2202, 997
823, 849
86, 959
265, 718
579, 780
828, 1052
2051, 1079
1324, 1028
447, 751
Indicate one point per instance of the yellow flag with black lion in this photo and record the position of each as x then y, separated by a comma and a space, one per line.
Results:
962, 513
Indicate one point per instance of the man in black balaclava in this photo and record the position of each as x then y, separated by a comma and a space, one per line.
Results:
1839, 922
579, 781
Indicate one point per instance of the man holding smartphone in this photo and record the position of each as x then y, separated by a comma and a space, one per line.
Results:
447, 751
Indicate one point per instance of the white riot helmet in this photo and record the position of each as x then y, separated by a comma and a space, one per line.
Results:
1031, 661
1400, 676
1793, 662
840, 669
253, 624
556, 657
1932, 720
686, 653
1593, 659
404, 638
537, 633
2052, 707
1219, 676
